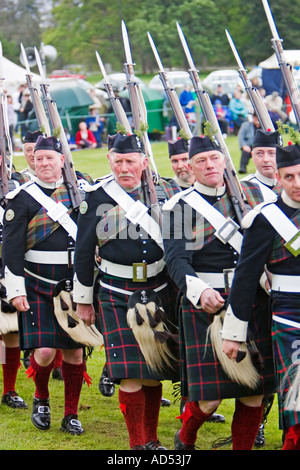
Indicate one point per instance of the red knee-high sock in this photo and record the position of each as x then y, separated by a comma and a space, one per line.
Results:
10, 369
58, 359
73, 375
132, 405
192, 418
152, 407
292, 438
245, 424
40, 375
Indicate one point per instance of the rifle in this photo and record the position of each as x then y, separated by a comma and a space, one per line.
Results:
35, 98
254, 95
139, 116
56, 124
171, 94
286, 69
233, 184
4, 137
115, 102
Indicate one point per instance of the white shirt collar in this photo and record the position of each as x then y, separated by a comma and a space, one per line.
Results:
54, 185
208, 191
263, 179
289, 202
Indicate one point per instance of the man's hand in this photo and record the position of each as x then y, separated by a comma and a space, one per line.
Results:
86, 313
211, 301
20, 303
231, 348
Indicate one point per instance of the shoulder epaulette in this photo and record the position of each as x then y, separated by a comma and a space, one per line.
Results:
100, 184
169, 205
11, 194
250, 217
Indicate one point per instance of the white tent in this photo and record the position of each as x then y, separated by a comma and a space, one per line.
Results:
14, 75
291, 57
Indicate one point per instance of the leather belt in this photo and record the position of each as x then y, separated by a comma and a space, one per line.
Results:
128, 272
218, 280
283, 283
47, 257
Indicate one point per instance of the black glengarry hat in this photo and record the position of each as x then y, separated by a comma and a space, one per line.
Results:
177, 147
32, 136
48, 143
266, 139
125, 143
202, 144
287, 156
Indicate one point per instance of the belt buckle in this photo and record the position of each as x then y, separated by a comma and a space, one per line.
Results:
70, 257
228, 276
293, 245
139, 272
228, 229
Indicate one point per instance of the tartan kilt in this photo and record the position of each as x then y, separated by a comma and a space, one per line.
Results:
38, 327
202, 375
285, 344
124, 358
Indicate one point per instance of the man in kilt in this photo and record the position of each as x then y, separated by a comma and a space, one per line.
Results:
37, 254
263, 153
270, 239
201, 262
112, 218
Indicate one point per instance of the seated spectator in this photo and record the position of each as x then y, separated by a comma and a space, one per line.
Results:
95, 124
274, 104
221, 117
221, 96
238, 110
187, 101
84, 137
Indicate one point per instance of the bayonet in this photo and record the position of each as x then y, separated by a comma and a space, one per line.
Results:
35, 97
171, 94
69, 174
138, 107
233, 184
4, 136
254, 95
286, 69
115, 102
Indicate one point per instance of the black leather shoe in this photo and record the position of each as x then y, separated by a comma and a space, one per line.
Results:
260, 437
13, 400
138, 448
179, 445
56, 374
242, 171
72, 425
106, 385
216, 418
155, 445
165, 402
41, 413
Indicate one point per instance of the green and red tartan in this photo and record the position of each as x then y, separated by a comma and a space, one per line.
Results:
279, 251
38, 326
41, 226
123, 355
285, 344
202, 375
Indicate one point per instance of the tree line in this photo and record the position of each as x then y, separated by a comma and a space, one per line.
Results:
76, 28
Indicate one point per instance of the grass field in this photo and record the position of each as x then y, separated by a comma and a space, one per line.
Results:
101, 418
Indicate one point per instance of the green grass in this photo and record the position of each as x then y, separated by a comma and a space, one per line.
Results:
100, 416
